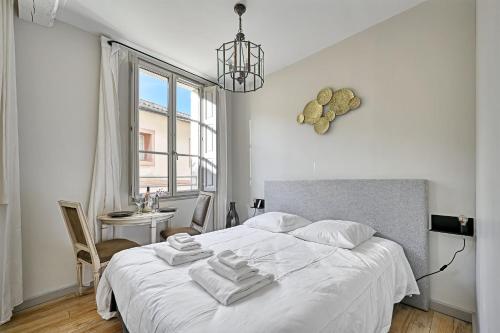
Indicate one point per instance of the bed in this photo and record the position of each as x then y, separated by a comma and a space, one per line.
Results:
318, 288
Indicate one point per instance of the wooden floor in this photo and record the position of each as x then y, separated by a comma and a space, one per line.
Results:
406, 319
78, 314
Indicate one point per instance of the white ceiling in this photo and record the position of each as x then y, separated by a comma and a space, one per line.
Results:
187, 32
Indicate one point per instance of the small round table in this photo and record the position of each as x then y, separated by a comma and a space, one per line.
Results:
150, 219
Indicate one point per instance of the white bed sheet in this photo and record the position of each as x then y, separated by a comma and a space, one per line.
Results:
318, 288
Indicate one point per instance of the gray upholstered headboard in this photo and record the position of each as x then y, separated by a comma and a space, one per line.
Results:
396, 208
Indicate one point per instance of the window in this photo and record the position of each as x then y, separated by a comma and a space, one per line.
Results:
173, 134
146, 138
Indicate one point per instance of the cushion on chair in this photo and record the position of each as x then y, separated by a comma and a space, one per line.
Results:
200, 212
106, 249
172, 231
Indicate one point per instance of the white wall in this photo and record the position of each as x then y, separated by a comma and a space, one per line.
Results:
415, 75
488, 165
57, 76
57, 85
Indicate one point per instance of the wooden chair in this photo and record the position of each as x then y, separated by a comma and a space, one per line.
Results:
201, 221
86, 251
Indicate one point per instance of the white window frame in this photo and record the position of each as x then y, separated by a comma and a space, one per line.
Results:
204, 128
136, 64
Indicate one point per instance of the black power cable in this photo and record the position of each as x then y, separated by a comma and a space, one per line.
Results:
444, 266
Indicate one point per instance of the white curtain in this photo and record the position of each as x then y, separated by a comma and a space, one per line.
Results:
11, 292
105, 191
223, 180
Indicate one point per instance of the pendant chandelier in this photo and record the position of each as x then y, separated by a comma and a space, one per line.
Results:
240, 63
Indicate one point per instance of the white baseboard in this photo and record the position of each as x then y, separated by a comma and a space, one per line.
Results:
475, 327
29, 303
452, 311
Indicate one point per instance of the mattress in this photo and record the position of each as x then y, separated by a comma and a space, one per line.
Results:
318, 288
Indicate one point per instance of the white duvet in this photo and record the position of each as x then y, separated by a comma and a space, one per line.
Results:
318, 288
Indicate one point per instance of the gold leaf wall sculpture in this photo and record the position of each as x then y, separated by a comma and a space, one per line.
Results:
312, 112
327, 106
324, 96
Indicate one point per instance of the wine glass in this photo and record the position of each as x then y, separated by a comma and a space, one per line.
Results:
139, 202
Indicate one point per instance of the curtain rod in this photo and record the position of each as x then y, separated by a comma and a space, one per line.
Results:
110, 42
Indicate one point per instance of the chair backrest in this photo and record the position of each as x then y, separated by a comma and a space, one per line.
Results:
202, 219
78, 229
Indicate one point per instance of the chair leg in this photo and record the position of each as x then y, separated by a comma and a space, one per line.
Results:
79, 277
96, 280
163, 233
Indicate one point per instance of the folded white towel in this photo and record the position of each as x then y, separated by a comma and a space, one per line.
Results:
182, 246
234, 275
229, 258
175, 257
183, 237
224, 290
182, 234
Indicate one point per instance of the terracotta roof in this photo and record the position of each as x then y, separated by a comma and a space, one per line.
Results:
150, 106
153, 107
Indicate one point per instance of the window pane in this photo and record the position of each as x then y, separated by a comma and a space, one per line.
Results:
209, 140
153, 116
154, 173
188, 137
153, 89
209, 117
187, 101
153, 131
187, 173
209, 169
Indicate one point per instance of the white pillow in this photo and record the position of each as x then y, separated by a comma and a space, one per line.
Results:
344, 234
277, 222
